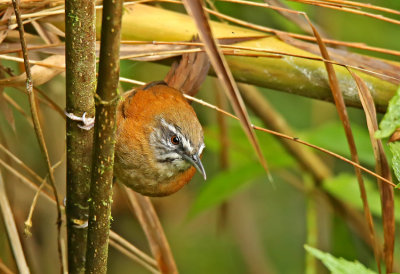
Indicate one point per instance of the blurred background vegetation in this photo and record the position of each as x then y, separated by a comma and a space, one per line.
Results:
237, 221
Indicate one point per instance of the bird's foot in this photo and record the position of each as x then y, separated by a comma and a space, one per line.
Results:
87, 122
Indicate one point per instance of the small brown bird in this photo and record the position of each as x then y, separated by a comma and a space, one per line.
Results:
159, 140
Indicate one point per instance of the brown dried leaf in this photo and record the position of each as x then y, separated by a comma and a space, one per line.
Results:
395, 136
154, 232
195, 9
382, 168
4, 19
40, 74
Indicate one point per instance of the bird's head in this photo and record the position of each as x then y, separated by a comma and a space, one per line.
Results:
177, 141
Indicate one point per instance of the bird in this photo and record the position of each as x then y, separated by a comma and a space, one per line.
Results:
159, 140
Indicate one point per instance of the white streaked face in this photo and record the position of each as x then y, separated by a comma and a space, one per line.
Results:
173, 148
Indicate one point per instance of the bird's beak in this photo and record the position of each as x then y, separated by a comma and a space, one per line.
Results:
196, 162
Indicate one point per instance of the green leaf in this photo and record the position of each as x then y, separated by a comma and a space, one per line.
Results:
345, 187
338, 265
332, 137
223, 186
391, 120
395, 148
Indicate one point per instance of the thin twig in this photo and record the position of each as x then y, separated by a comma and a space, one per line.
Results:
28, 222
38, 130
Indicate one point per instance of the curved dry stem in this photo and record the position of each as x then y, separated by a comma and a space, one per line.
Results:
38, 129
28, 222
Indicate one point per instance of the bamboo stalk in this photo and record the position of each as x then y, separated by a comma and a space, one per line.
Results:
104, 139
290, 74
80, 60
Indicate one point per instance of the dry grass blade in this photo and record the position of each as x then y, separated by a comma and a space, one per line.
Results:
132, 256
18, 108
382, 168
134, 250
341, 109
300, 36
4, 269
23, 179
12, 230
35, 188
364, 5
154, 232
6, 109
346, 9
195, 8
38, 129
295, 18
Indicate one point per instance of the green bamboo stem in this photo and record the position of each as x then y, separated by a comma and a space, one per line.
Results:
104, 138
80, 87
290, 74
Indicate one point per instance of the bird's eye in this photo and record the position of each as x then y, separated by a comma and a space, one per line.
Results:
175, 140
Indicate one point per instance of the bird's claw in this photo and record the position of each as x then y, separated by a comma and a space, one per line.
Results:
87, 122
